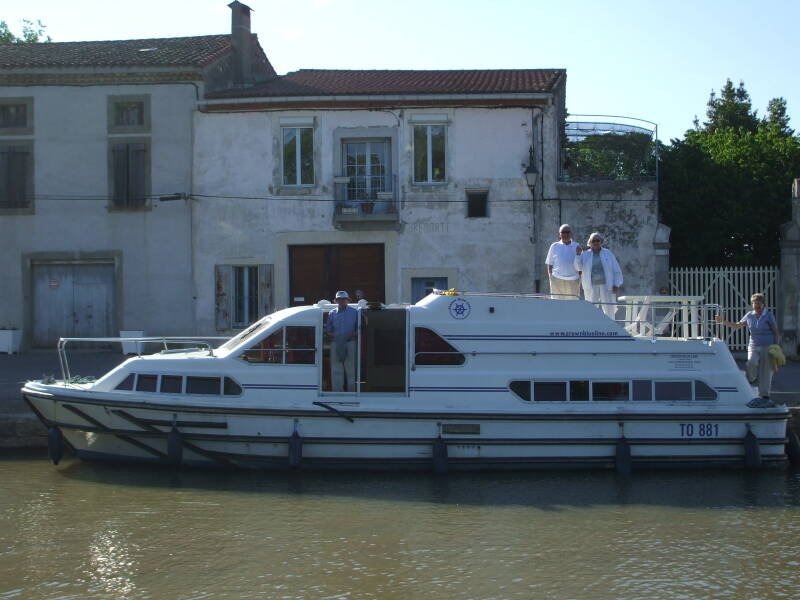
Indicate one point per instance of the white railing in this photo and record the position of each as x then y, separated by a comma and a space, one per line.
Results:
667, 316
730, 288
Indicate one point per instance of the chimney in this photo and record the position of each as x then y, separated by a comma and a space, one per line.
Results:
241, 42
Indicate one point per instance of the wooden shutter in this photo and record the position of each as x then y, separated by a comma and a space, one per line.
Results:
137, 174
119, 173
223, 296
14, 176
265, 302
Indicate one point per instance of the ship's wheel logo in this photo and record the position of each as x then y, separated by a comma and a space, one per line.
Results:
460, 308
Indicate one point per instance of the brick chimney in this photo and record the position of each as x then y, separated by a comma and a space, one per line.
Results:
242, 44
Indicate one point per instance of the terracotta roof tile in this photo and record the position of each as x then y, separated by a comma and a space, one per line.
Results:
159, 52
317, 82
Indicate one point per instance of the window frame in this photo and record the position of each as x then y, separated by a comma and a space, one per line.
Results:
298, 158
146, 204
114, 128
26, 129
429, 152
283, 349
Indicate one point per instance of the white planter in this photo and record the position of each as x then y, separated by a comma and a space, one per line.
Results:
10, 340
131, 347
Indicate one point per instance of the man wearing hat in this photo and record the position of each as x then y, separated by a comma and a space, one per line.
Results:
342, 326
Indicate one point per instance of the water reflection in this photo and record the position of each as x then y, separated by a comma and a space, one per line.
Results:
85, 530
548, 490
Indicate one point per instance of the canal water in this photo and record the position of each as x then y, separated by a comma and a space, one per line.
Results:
87, 531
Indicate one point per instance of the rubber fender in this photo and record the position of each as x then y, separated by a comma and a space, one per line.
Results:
55, 445
439, 456
295, 450
622, 458
752, 450
792, 446
175, 446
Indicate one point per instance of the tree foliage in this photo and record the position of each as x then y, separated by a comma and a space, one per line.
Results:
725, 187
610, 156
31, 32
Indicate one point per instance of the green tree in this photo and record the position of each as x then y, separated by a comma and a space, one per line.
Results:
725, 187
31, 32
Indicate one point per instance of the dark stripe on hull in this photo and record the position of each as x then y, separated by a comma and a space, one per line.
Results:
762, 415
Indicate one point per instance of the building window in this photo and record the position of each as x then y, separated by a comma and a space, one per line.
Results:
16, 175
477, 203
129, 173
16, 116
298, 155
245, 295
429, 153
129, 114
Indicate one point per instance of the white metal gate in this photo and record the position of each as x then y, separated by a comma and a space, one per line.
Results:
731, 288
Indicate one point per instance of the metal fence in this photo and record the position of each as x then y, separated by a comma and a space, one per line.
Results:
731, 288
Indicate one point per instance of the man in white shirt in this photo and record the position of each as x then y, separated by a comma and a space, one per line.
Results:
565, 281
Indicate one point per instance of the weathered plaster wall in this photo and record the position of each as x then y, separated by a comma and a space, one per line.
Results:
71, 205
238, 154
625, 213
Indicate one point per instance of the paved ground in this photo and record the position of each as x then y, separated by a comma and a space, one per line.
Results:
18, 426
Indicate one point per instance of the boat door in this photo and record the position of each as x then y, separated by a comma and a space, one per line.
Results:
381, 353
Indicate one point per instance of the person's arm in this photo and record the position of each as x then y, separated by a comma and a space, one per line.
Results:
774, 327
727, 323
549, 270
617, 274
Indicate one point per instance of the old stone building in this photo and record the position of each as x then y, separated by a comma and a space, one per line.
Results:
182, 187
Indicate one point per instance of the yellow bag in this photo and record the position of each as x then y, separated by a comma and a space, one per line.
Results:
778, 358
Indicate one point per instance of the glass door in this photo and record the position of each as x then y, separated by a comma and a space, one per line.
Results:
367, 164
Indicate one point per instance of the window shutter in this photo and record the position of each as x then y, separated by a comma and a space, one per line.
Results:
265, 290
18, 176
137, 175
119, 164
223, 292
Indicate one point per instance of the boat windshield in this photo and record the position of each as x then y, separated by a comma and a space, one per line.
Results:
247, 333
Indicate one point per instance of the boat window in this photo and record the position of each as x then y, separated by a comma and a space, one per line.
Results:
703, 392
202, 385
231, 388
300, 345
610, 391
292, 345
431, 349
521, 389
673, 390
642, 389
579, 391
247, 333
550, 391
146, 383
127, 383
171, 384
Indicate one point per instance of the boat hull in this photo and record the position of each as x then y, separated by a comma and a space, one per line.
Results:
311, 437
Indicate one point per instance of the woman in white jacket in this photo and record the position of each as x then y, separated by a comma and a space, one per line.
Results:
601, 274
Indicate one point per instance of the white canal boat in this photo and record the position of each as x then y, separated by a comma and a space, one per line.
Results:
456, 381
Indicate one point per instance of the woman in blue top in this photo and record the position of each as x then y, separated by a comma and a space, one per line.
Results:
763, 331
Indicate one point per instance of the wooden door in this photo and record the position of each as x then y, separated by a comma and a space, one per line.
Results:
319, 271
72, 300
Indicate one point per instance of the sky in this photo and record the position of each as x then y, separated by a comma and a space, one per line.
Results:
654, 60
